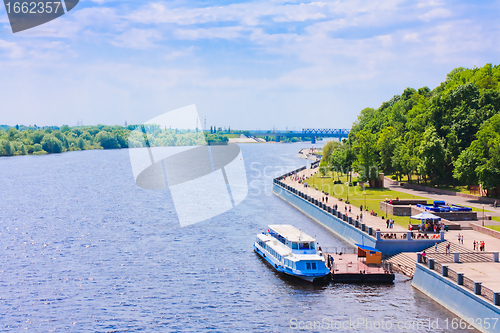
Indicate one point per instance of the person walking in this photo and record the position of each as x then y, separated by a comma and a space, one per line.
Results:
448, 246
349, 208
435, 247
458, 238
361, 217
495, 204
387, 223
462, 239
474, 245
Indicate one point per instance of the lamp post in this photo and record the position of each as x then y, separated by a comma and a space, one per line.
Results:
386, 208
483, 215
409, 221
364, 193
321, 182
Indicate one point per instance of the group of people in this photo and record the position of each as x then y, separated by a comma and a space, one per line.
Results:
391, 236
460, 239
329, 261
478, 246
324, 199
390, 223
431, 227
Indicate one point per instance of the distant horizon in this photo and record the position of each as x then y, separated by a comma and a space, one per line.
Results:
245, 64
208, 129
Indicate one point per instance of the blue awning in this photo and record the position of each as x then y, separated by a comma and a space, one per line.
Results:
367, 248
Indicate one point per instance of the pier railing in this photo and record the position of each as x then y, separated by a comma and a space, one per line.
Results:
357, 223
401, 235
336, 250
475, 286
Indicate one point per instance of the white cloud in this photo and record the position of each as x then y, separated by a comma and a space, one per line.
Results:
137, 38
12, 49
223, 33
435, 14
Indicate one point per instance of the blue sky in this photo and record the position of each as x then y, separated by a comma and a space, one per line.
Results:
246, 64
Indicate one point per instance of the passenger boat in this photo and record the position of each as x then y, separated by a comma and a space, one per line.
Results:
292, 252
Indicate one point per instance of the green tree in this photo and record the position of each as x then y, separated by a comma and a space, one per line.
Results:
51, 144
366, 154
431, 153
6, 148
386, 144
465, 167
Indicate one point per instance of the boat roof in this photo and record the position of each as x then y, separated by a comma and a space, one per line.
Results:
291, 233
313, 257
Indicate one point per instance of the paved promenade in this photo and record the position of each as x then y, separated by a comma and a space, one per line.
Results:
452, 198
486, 272
369, 220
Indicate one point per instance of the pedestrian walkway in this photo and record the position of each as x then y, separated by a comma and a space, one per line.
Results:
451, 198
469, 236
370, 220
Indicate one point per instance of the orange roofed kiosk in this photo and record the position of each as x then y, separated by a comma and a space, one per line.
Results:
372, 255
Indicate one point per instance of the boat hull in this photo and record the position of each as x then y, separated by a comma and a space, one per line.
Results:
309, 278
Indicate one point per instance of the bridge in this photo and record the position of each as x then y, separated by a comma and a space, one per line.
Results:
311, 133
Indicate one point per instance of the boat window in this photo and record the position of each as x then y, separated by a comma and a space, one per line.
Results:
311, 246
313, 265
294, 246
308, 265
303, 246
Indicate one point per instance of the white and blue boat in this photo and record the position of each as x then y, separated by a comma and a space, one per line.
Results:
292, 252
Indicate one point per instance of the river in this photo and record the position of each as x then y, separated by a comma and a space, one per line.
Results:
83, 249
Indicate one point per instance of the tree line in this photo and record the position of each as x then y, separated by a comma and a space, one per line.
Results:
27, 140
449, 135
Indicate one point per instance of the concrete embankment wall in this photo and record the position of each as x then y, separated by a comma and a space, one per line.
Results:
455, 298
349, 232
344, 230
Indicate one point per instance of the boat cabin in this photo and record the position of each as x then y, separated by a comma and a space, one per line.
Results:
294, 238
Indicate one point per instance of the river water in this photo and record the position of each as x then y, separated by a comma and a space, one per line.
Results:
83, 249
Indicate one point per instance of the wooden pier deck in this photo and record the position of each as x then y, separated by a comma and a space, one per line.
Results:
349, 267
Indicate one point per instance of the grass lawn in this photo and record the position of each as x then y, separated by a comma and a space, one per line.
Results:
493, 227
357, 198
496, 218
461, 188
232, 136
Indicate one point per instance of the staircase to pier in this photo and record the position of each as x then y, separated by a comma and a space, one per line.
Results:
405, 262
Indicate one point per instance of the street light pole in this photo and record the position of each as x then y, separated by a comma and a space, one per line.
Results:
365, 200
386, 208
483, 215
